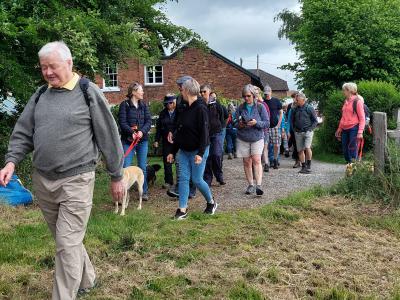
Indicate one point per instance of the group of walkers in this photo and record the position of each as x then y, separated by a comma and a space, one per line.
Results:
67, 124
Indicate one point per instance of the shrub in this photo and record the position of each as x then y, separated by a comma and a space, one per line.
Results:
378, 95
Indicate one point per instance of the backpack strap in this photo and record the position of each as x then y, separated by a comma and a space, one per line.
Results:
84, 85
355, 102
41, 91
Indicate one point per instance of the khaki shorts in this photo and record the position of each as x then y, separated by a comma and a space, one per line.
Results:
246, 149
303, 140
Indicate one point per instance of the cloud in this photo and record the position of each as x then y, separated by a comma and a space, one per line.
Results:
238, 28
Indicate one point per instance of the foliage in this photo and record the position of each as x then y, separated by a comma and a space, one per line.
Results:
98, 33
340, 41
364, 185
379, 96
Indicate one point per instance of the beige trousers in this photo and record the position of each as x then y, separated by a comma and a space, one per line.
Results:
66, 204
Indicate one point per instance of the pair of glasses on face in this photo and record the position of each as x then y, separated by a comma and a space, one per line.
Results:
247, 96
203, 92
168, 103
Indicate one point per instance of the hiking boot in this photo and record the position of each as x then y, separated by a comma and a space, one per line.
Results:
259, 191
180, 215
304, 169
83, 291
250, 190
296, 164
211, 208
275, 164
234, 155
145, 197
266, 168
222, 182
230, 156
309, 164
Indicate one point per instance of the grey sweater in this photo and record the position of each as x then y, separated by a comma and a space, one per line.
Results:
65, 135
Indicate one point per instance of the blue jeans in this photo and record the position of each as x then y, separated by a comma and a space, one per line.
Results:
350, 144
141, 150
231, 135
188, 169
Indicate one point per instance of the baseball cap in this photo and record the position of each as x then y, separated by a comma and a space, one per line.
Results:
182, 79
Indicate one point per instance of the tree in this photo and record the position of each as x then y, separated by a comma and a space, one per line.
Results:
98, 32
343, 40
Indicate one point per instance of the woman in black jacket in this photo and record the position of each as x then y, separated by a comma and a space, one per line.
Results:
193, 142
135, 122
166, 123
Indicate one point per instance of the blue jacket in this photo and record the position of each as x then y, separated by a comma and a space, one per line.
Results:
255, 133
129, 116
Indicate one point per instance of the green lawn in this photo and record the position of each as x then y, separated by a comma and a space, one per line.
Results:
309, 245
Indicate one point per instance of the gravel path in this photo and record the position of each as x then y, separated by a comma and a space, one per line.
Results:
276, 184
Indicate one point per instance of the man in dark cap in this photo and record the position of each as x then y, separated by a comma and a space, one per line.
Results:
166, 123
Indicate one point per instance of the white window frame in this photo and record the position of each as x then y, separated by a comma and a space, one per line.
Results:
146, 79
111, 88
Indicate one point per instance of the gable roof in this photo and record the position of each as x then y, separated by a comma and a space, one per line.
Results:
276, 83
252, 75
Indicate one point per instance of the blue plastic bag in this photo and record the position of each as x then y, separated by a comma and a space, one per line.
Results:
15, 193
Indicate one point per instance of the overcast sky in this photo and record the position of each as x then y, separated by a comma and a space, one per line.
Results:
240, 29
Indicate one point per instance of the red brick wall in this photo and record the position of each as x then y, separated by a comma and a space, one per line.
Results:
204, 67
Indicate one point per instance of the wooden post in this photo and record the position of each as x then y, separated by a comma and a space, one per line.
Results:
380, 141
397, 117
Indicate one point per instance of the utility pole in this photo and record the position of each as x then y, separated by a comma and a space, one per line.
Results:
258, 65
241, 62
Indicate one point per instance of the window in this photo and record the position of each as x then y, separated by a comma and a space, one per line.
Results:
153, 75
110, 82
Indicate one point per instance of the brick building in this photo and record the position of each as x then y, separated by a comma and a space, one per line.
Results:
226, 77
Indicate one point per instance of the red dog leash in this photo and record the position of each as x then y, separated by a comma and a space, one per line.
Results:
360, 148
133, 144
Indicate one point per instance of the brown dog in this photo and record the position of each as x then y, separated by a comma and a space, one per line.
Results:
131, 175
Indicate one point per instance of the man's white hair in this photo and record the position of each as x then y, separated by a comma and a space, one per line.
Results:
59, 46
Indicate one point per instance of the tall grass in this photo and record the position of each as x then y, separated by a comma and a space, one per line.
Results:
364, 185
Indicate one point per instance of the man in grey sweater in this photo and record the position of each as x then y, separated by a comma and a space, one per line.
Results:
66, 136
304, 121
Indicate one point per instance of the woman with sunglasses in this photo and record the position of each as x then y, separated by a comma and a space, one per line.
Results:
166, 123
135, 122
252, 120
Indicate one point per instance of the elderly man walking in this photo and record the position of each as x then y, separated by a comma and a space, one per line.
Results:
66, 124
304, 121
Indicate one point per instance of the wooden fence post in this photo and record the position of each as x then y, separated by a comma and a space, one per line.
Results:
380, 141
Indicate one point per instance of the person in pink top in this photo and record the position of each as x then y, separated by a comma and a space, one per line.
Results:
352, 123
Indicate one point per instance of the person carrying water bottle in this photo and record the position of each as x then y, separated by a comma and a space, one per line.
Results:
352, 122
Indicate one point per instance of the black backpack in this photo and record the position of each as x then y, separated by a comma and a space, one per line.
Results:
83, 84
